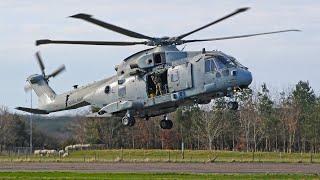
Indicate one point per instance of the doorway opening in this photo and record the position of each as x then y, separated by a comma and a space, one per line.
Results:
157, 83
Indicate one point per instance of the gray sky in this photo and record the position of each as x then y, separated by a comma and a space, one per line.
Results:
280, 60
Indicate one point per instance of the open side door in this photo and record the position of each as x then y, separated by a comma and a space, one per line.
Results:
180, 77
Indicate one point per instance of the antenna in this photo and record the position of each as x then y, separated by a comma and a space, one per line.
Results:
183, 47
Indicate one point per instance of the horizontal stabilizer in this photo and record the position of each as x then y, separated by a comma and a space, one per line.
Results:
33, 111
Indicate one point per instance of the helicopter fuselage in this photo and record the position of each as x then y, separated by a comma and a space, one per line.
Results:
185, 78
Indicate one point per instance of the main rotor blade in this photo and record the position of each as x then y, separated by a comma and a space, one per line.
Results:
111, 43
111, 27
236, 37
40, 62
214, 22
57, 71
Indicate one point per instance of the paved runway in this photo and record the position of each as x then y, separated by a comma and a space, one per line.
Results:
165, 167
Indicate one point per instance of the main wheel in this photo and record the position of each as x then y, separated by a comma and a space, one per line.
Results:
132, 121
233, 105
166, 124
169, 124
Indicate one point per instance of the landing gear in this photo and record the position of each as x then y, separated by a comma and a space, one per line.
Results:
128, 120
233, 105
166, 123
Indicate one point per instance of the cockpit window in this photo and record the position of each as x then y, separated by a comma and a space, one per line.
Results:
209, 65
223, 62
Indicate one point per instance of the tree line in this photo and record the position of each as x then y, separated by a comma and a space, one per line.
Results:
288, 121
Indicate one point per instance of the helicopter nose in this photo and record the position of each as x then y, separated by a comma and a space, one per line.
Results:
244, 77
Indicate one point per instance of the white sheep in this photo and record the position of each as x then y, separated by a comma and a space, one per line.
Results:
36, 152
61, 152
44, 152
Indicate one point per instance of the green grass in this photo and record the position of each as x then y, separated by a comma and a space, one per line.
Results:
140, 155
76, 175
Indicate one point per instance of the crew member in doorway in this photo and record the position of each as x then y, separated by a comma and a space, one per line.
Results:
157, 82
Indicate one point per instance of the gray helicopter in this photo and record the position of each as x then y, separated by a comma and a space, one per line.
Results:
151, 82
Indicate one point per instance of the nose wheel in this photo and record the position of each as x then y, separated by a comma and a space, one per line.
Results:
166, 123
233, 105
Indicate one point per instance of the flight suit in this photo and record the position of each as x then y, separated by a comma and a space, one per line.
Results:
157, 82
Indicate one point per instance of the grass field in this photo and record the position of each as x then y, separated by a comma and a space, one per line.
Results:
76, 175
140, 155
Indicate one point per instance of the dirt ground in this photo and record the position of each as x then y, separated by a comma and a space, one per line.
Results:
165, 167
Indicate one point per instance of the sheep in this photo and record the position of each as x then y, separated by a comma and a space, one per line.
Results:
61, 152
51, 152
65, 154
36, 152
77, 147
44, 152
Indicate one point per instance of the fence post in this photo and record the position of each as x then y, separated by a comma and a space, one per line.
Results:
252, 155
182, 150
121, 154
169, 155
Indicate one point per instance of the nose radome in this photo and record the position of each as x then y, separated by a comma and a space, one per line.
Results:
244, 77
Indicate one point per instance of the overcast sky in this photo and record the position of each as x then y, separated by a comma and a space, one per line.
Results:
280, 60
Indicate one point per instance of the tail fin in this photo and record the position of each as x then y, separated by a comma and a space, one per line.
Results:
42, 89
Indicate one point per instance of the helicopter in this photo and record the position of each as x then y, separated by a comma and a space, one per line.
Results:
149, 83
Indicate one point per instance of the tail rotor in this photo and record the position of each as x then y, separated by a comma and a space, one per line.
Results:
56, 72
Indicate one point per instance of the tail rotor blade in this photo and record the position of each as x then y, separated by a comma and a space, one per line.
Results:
40, 62
27, 87
57, 71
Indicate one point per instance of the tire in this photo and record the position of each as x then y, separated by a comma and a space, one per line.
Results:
169, 124
230, 105
166, 124
233, 105
132, 121
163, 124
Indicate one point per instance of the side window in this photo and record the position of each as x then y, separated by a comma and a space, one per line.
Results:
175, 76
107, 89
209, 65
213, 66
122, 91
159, 58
